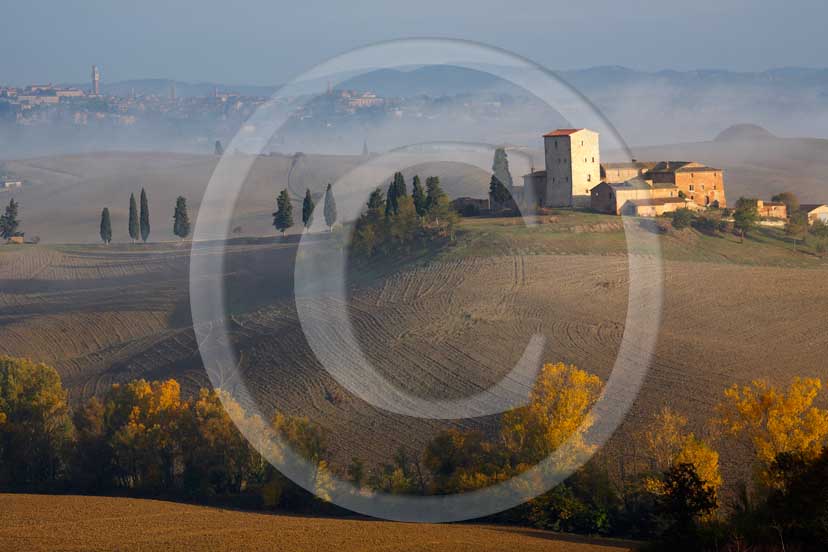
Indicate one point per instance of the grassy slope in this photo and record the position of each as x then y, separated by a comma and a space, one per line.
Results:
42, 522
582, 233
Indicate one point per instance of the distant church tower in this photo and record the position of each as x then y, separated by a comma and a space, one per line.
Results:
96, 81
172, 91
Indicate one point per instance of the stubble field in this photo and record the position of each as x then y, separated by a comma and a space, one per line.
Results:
39, 523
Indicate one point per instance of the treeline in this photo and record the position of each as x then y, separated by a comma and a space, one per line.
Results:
138, 221
395, 221
145, 438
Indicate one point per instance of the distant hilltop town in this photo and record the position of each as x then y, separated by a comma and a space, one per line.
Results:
575, 177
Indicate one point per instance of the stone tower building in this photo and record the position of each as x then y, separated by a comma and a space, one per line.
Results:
573, 166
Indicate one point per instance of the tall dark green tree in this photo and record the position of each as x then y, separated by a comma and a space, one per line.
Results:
399, 184
144, 218
330, 208
219, 148
396, 190
106, 226
391, 205
500, 167
9, 221
419, 196
307, 209
434, 192
498, 193
376, 203
283, 217
134, 226
181, 218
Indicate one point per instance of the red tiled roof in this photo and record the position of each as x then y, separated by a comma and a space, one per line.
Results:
563, 132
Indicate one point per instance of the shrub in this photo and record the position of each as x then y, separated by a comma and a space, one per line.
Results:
682, 218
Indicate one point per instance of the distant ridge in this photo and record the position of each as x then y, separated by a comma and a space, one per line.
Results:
744, 132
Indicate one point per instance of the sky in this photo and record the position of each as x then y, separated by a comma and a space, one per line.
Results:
269, 42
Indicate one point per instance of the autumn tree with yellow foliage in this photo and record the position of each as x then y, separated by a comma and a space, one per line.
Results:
35, 424
668, 444
776, 421
557, 413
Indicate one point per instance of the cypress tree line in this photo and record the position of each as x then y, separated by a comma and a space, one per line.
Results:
181, 218
134, 228
283, 217
500, 167
106, 226
9, 222
419, 196
144, 219
307, 209
330, 208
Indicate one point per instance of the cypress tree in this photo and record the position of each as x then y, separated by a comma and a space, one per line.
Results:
399, 184
106, 226
376, 203
9, 222
391, 200
144, 218
434, 192
283, 217
500, 167
181, 218
419, 197
134, 228
219, 148
396, 190
498, 193
307, 209
330, 208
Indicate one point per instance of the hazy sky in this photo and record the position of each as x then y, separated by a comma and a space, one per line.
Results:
268, 41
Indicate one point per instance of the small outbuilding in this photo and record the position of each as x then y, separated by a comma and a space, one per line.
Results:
815, 212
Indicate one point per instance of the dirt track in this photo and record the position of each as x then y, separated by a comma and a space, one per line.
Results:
42, 522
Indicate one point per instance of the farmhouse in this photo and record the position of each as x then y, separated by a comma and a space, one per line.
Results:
815, 212
771, 209
10, 184
575, 177
699, 183
635, 197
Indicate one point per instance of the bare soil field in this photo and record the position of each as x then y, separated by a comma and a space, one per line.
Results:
445, 326
43, 522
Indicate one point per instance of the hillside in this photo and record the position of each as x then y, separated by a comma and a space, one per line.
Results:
446, 326
42, 522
